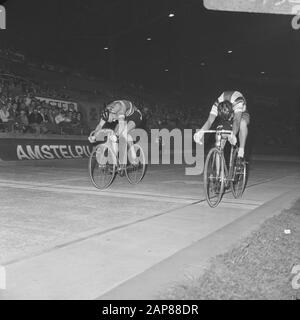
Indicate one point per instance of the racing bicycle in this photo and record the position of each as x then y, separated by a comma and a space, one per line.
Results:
104, 162
218, 176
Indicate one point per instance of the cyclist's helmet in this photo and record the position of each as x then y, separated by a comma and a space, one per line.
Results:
225, 110
105, 114
111, 106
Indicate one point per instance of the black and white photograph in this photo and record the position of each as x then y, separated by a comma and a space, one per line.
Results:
149, 153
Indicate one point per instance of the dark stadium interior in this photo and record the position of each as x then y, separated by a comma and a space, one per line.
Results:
62, 66
187, 59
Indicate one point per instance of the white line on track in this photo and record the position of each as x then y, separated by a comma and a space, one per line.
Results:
185, 203
93, 191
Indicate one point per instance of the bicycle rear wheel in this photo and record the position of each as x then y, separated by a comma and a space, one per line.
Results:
238, 177
102, 166
136, 166
214, 177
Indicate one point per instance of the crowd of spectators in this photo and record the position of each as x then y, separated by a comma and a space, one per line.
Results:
21, 111
29, 115
158, 114
173, 116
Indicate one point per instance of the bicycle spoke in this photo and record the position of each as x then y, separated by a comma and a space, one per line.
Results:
102, 167
239, 177
136, 166
213, 177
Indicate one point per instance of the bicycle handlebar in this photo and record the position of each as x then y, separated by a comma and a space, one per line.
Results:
108, 131
219, 131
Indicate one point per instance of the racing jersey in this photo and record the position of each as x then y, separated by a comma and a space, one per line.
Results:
235, 97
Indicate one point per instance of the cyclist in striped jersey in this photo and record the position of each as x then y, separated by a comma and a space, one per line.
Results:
128, 117
125, 112
231, 109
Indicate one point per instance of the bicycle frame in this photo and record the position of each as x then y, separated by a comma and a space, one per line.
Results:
228, 170
220, 145
124, 167
222, 175
112, 143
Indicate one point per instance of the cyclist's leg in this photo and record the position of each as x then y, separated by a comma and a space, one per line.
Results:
243, 133
125, 137
114, 141
130, 127
133, 122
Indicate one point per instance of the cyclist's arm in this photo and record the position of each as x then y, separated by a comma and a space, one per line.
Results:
236, 122
122, 124
210, 120
100, 125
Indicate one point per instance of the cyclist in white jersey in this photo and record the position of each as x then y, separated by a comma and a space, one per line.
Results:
231, 109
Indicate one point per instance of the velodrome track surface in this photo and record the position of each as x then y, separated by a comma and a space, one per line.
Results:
61, 238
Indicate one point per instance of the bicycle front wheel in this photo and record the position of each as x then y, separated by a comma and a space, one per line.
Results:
214, 177
238, 177
136, 165
102, 166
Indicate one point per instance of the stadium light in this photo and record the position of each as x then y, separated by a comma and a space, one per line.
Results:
171, 15
149, 39
105, 48
229, 51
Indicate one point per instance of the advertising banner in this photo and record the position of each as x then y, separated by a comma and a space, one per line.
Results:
60, 103
43, 149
